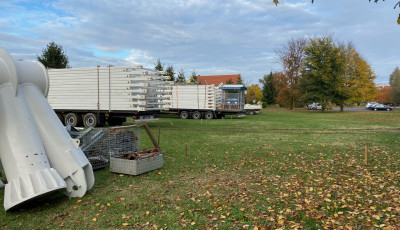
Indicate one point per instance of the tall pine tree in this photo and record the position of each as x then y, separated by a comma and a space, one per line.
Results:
159, 66
53, 56
181, 76
170, 72
268, 89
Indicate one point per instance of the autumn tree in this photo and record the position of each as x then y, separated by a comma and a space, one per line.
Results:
53, 56
181, 76
282, 90
170, 72
253, 94
268, 89
291, 56
394, 81
323, 74
383, 95
359, 77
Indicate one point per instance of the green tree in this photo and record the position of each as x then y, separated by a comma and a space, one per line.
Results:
324, 72
170, 72
253, 94
159, 66
181, 76
240, 80
229, 81
268, 89
193, 77
394, 81
53, 56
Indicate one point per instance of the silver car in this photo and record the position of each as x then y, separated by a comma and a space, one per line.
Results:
314, 106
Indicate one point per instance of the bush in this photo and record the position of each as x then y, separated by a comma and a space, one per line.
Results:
264, 105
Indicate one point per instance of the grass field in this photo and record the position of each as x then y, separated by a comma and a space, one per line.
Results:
278, 170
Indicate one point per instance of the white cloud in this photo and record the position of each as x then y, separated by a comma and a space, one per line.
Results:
236, 36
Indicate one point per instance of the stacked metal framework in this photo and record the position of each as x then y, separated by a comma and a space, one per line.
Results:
196, 97
128, 88
229, 97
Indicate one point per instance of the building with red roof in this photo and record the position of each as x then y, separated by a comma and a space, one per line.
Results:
217, 79
383, 87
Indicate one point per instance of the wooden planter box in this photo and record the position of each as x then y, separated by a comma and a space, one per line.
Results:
136, 167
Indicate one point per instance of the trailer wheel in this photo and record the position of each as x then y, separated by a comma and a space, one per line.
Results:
196, 115
184, 115
90, 120
251, 112
209, 115
73, 119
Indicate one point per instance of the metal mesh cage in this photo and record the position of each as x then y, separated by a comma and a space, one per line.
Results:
95, 145
124, 139
99, 144
126, 156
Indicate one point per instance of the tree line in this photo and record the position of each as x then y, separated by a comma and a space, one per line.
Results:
319, 70
169, 71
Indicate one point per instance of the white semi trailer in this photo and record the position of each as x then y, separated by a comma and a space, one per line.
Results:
91, 96
205, 101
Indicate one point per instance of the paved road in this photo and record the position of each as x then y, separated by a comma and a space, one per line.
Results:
358, 110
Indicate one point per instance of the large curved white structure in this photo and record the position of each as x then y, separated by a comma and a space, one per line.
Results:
1, 169
37, 153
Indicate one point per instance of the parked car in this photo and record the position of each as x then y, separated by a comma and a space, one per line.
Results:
314, 106
369, 104
378, 106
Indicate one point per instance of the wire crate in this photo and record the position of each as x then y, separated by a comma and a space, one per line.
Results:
123, 139
136, 167
126, 156
94, 144
119, 146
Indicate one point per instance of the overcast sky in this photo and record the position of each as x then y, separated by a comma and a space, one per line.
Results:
211, 37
